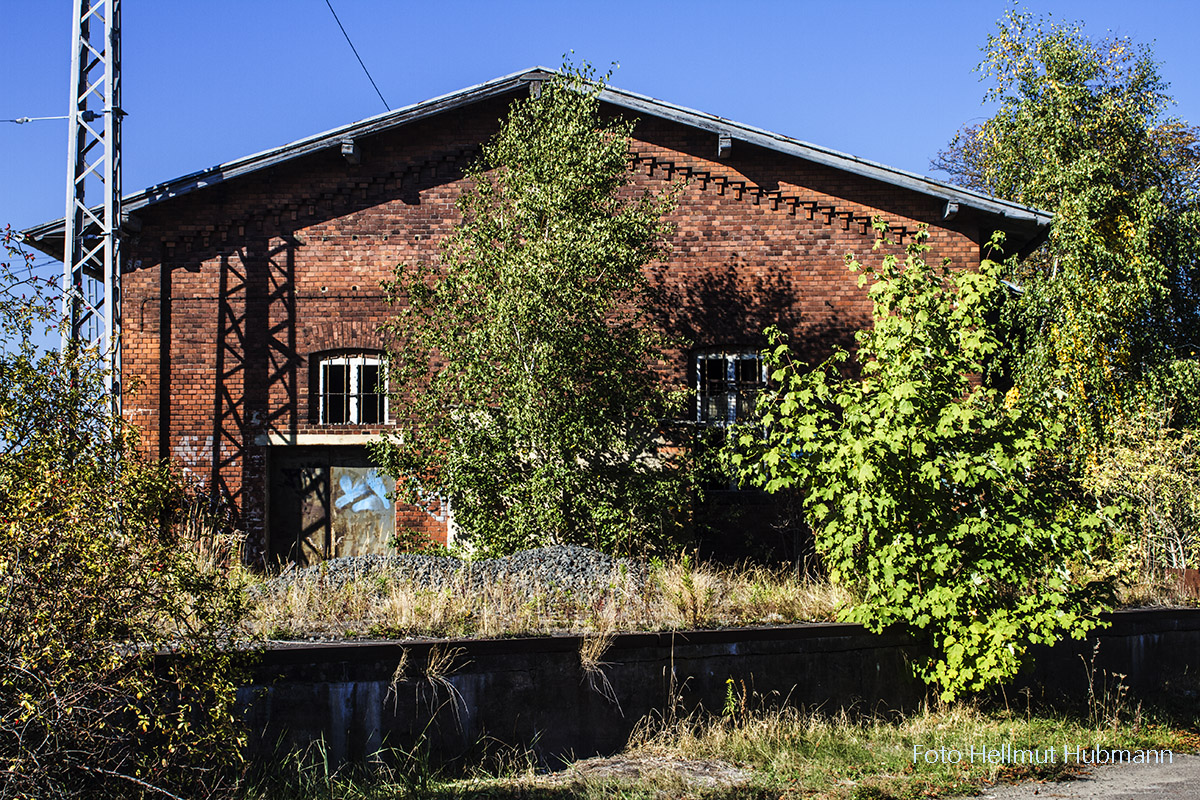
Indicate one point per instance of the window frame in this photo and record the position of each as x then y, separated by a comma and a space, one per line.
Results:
737, 395
353, 397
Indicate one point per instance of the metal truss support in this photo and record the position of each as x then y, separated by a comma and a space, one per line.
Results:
91, 298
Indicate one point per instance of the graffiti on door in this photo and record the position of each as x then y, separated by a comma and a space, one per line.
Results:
363, 517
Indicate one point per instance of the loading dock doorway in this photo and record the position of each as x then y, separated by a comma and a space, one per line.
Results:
327, 502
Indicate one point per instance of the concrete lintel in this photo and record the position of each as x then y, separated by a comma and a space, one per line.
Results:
298, 439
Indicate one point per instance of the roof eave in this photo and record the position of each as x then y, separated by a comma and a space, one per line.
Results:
1012, 217
978, 201
45, 236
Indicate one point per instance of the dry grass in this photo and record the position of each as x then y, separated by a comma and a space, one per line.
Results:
1167, 591
758, 753
679, 594
592, 648
749, 751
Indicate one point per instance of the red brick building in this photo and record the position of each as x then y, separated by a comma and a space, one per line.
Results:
252, 289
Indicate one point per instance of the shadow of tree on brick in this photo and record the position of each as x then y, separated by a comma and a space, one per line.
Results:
732, 304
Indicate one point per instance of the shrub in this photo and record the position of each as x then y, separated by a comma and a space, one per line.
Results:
1154, 472
935, 498
117, 675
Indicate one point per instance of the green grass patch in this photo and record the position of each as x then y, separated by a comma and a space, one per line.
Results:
776, 753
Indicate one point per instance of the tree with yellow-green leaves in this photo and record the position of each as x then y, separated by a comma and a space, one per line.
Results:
1109, 307
937, 501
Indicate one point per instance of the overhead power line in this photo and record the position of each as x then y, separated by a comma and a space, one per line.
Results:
23, 120
356, 55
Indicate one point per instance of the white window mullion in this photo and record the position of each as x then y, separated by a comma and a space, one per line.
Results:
726, 385
354, 373
731, 393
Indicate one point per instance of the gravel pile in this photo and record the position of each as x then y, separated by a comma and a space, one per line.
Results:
559, 568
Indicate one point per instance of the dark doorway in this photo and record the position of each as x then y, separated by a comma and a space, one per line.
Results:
328, 502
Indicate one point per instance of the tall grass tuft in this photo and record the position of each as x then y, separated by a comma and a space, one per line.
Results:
673, 595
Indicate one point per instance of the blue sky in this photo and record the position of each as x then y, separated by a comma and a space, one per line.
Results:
207, 81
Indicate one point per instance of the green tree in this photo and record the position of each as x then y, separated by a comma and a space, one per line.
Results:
1110, 306
935, 500
1153, 471
95, 585
522, 359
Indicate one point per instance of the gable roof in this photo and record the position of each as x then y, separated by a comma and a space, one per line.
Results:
1029, 224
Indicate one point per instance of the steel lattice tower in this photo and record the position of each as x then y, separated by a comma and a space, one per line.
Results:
91, 299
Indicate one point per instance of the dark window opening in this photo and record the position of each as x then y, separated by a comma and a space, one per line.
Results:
727, 385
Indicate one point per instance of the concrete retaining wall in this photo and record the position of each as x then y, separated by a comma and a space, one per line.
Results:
537, 692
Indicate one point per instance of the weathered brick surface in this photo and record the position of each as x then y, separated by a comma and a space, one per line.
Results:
231, 290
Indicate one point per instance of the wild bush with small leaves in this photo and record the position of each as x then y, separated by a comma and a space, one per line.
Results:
1153, 471
1110, 306
117, 674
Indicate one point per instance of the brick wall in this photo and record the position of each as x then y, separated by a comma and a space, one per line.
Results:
232, 288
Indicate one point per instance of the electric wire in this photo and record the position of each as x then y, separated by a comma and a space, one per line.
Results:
30, 269
356, 55
23, 120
